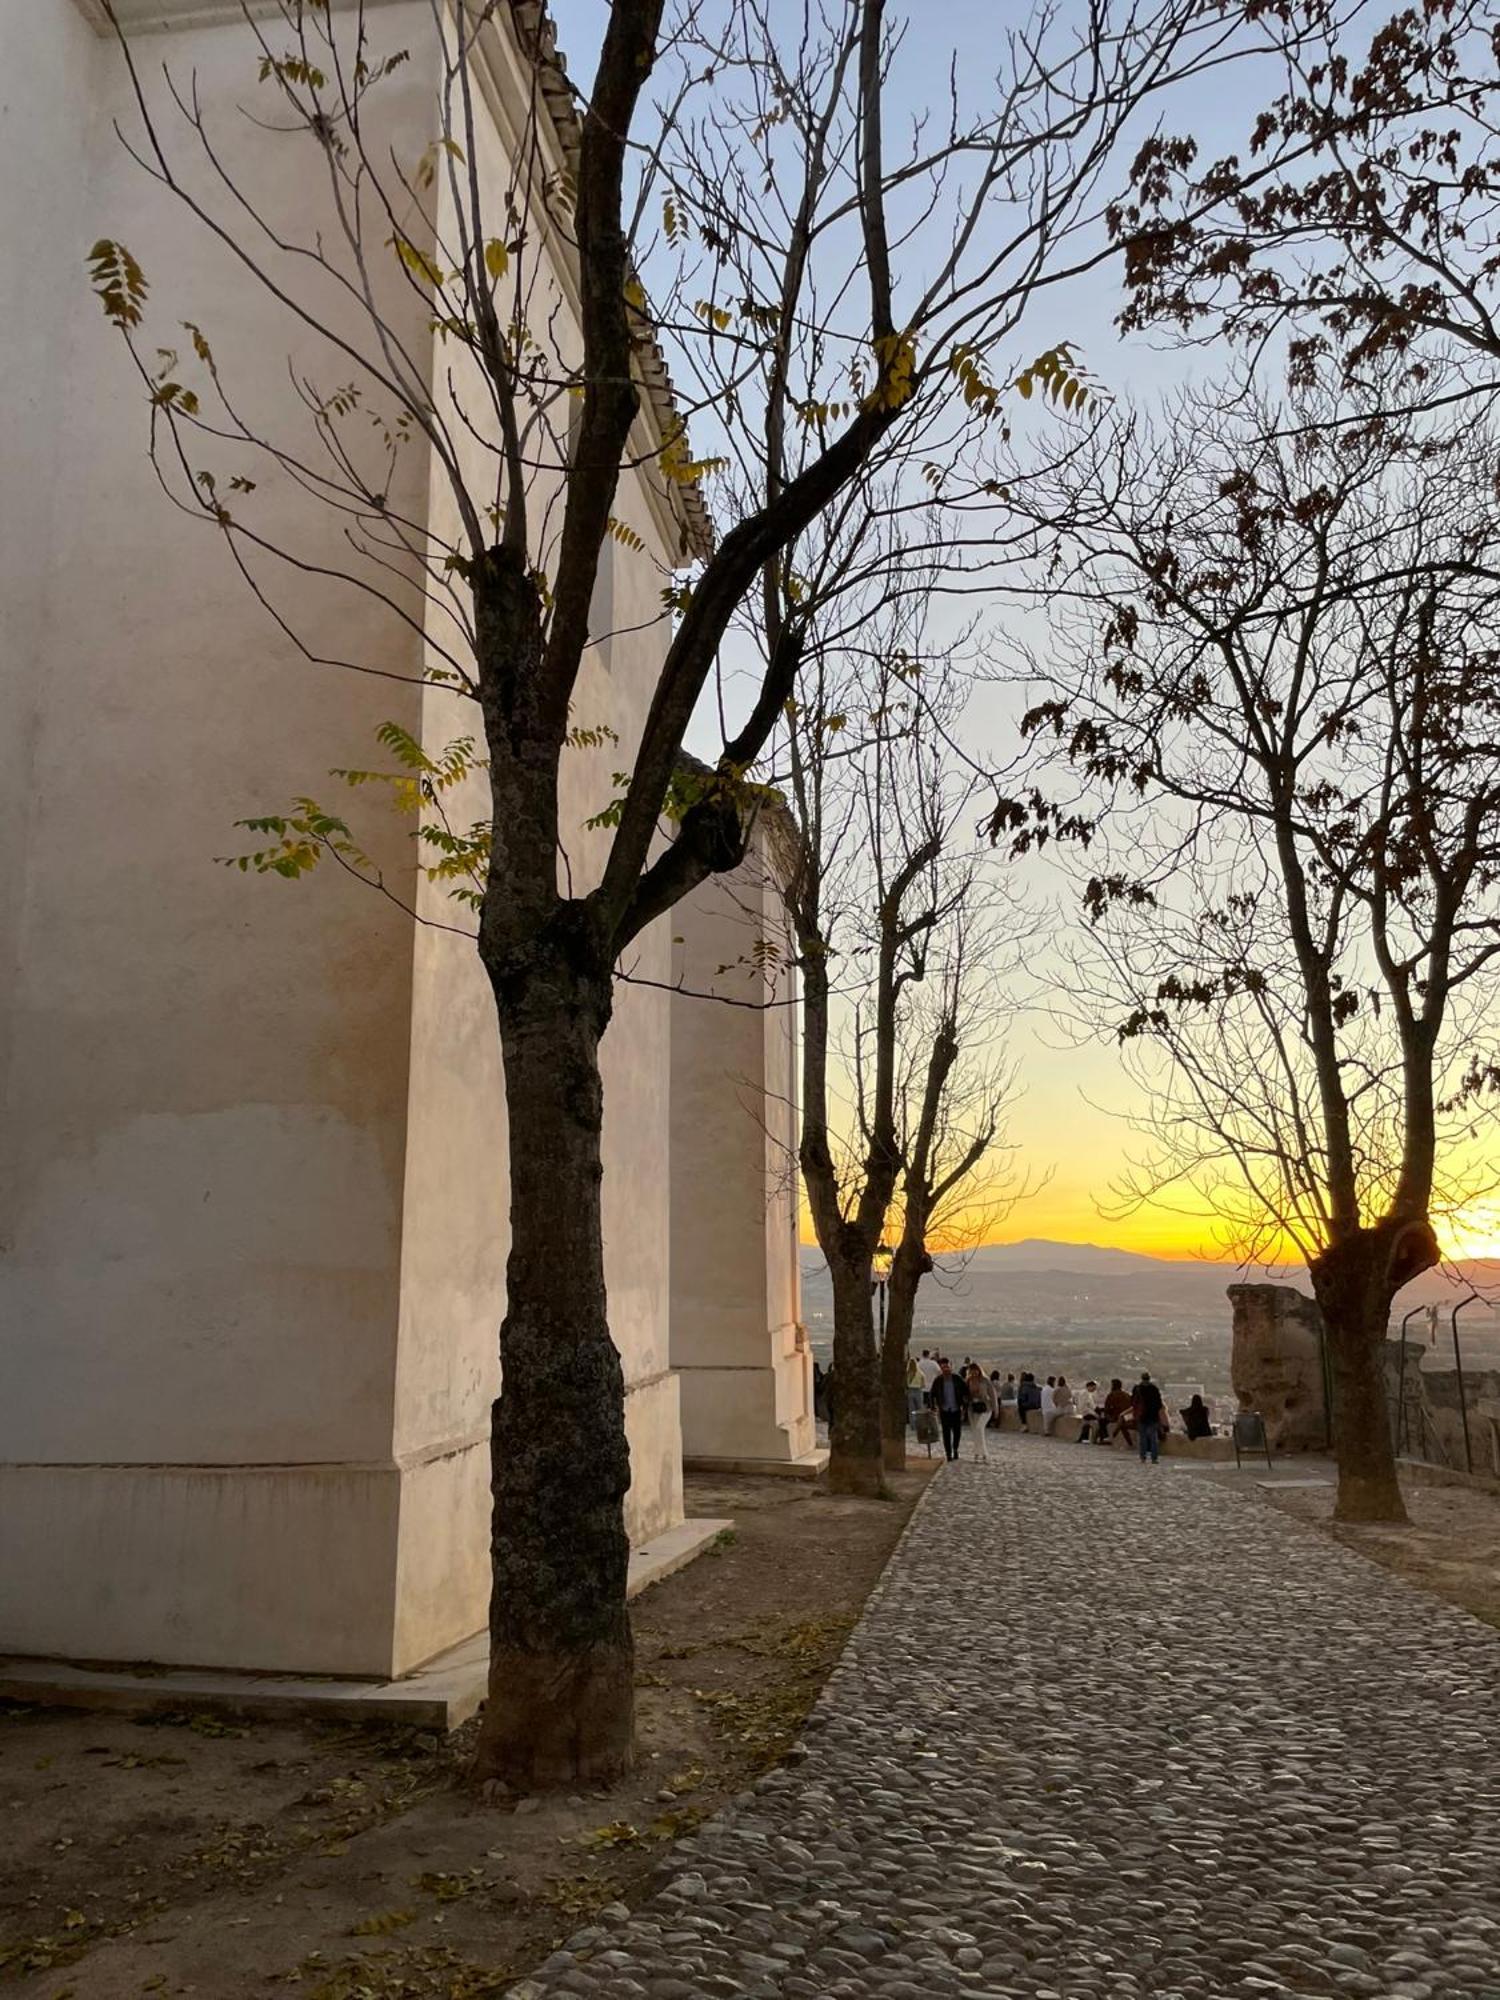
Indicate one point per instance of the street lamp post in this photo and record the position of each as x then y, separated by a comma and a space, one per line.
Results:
1401, 1379
1458, 1363
880, 1274
880, 1277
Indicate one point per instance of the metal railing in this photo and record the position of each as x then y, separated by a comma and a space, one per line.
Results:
1429, 1444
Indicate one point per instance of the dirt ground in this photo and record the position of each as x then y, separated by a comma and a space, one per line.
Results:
231, 1859
1452, 1547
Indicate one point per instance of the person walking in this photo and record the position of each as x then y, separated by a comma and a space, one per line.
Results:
915, 1389
983, 1403
1146, 1408
950, 1399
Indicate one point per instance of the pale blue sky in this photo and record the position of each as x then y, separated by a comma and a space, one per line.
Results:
1058, 1123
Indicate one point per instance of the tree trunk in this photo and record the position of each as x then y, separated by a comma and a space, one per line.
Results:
561, 1686
1353, 1281
895, 1350
855, 1458
908, 1267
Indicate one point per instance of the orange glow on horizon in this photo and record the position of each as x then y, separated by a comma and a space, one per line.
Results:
1472, 1232
1071, 1137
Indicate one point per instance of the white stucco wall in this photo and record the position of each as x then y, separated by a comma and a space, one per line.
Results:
46, 62
737, 1344
252, 1189
205, 1096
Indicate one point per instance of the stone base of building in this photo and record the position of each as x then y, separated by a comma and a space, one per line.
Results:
364, 1570
440, 1695
760, 1413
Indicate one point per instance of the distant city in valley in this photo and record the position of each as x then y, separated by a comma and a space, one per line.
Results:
1082, 1310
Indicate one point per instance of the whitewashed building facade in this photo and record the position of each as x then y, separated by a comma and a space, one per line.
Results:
252, 1184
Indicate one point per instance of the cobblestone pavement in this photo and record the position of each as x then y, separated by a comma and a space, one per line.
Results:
1104, 1730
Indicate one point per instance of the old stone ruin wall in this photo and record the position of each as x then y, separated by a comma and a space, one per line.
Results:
1277, 1362
1429, 1416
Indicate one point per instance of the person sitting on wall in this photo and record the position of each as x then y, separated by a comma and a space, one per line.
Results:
1090, 1411
994, 1422
1028, 1397
1049, 1405
1008, 1394
1195, 1419
1116, 1412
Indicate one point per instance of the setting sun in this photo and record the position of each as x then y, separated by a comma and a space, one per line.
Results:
1473, 1231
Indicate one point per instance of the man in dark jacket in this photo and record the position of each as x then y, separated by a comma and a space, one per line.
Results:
1146, 1406
950, 1398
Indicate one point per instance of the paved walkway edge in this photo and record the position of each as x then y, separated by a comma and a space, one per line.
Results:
682, 1851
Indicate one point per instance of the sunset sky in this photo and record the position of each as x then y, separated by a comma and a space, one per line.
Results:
1062, 1124
1058, 1127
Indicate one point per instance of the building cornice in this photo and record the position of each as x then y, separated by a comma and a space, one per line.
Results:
536, 35
149, 17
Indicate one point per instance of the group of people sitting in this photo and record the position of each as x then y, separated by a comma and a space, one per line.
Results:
967, 1399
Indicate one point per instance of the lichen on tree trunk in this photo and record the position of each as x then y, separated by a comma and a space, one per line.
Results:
909, 1266
561, 1689
855, 1460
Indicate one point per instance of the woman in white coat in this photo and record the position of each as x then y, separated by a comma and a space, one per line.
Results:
984, 1403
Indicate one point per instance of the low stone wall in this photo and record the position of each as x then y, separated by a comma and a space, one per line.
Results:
1067, 1430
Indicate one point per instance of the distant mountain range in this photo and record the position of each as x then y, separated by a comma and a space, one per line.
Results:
1078, 1286
1037, 1253
1092, 1310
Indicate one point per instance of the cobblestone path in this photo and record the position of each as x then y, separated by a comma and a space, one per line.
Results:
1104, 1730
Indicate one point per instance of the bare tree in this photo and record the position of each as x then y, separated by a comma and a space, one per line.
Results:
1359, 217
865, 892
957, 1177
828, 293
1274, 661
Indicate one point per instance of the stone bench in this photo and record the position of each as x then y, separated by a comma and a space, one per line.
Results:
1176, 1445
1068, 1429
